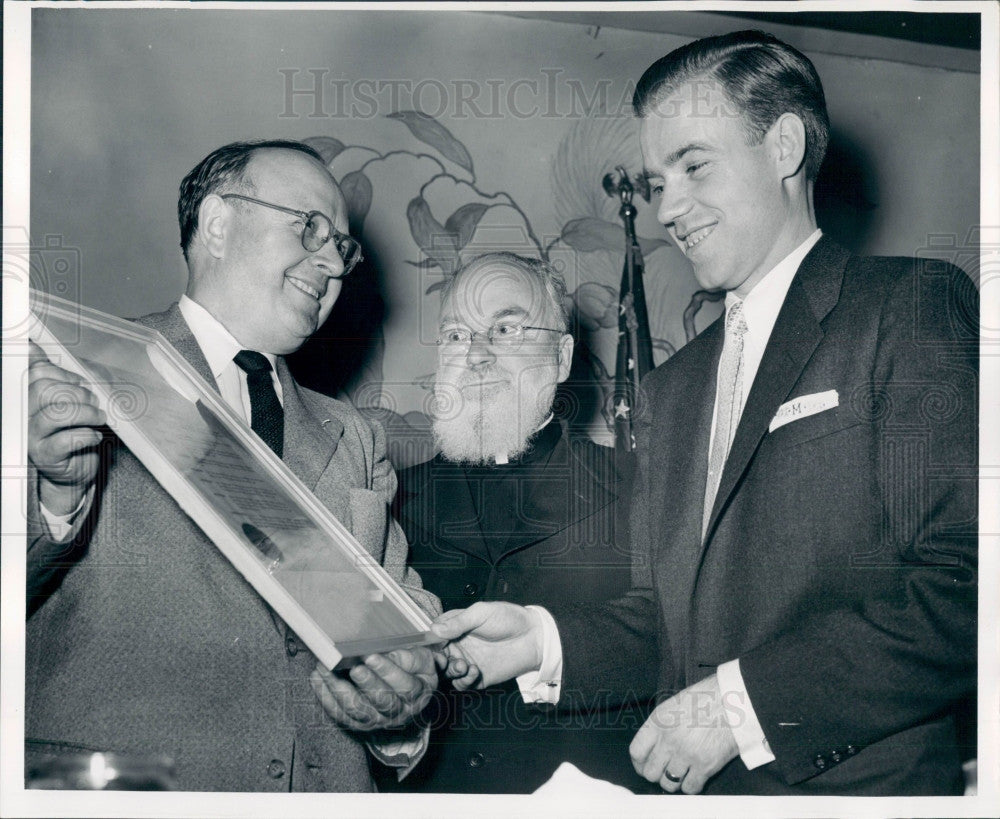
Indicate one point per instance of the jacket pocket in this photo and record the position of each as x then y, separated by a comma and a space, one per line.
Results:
812, 427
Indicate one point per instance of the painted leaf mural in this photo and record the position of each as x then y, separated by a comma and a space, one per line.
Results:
326, 147
434, 239
463, 221
357, 190
597, 305
589, 234
431, 132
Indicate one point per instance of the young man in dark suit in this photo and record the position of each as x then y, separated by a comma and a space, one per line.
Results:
513, 508
806, 503
142, 639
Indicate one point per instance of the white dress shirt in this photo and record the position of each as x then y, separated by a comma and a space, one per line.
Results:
760, 310
220, 348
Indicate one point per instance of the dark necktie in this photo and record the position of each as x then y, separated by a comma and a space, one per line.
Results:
267, 418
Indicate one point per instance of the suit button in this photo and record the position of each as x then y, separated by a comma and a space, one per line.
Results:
835, 756
820, 762
476, 760
275, 769
851, 750
504, 587
471, 590
291, 646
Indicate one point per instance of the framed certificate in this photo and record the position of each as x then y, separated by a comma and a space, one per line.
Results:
303, 561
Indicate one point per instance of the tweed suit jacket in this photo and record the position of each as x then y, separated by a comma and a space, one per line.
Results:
558, 539
143, 639
840, 561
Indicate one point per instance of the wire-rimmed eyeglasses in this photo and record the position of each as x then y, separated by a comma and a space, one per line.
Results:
503, 334
317, 230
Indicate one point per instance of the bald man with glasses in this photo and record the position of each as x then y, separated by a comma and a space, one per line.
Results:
141, 638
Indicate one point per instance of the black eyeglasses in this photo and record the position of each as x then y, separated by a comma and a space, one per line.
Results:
316, 232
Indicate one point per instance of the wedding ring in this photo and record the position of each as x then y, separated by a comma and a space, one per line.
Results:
674, 779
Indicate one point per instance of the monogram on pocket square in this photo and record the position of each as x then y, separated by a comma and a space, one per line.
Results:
803, 407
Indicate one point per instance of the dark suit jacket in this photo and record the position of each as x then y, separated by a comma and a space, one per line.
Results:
840, 563
147, 641
542, 531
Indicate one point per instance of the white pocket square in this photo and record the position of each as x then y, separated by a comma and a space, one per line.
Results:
803, 407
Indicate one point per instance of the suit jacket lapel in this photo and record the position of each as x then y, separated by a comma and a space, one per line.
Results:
796, 334
309, 442
547, 507
171, 325
681, 429
444, 507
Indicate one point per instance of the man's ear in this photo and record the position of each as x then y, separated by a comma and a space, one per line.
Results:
788, 141
565, 356
214, 221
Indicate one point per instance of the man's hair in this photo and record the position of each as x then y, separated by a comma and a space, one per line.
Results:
223, 169
762, 76
551, 282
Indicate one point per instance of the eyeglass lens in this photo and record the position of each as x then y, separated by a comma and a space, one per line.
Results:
318, 231
499, 335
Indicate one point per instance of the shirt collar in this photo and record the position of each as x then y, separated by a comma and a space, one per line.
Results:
762, 304
216, 342
542, 442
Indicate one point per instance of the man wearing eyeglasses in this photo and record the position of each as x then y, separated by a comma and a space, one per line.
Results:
512, 508
142, 639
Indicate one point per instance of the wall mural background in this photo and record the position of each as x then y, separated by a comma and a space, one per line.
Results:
588, 251
451, 133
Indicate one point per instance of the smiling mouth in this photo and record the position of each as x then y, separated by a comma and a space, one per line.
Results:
695, 237
308, 289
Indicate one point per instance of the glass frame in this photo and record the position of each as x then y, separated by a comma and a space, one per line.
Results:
514, 345
356, 256
329, 583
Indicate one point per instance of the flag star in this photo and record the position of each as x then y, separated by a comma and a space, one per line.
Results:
631, 363
622, 409
621, 308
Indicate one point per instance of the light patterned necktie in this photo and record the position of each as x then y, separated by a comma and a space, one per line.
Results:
729, 396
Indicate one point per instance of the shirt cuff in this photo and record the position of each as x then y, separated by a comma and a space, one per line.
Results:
62, 528
545, 684
401, 749
754, 748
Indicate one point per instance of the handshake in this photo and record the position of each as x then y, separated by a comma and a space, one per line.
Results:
489, 643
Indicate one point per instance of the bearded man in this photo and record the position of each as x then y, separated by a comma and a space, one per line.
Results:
514, 509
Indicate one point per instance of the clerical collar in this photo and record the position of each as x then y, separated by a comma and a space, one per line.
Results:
541, 445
